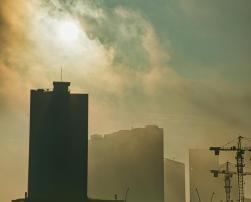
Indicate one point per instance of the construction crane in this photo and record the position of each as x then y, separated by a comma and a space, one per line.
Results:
240, 151
227, 178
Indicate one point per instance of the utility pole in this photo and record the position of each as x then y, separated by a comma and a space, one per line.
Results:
240, 151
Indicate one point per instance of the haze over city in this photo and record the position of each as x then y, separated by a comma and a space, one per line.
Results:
182, 65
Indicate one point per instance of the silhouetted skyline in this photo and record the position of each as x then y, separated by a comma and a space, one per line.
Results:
183, 65
58, 149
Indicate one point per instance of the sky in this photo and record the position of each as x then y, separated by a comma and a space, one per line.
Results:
181, 64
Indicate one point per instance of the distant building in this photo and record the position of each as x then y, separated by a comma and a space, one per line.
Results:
174, 181
202, 182
58, 150
129, 163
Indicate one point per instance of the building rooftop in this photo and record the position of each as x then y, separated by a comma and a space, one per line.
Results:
61, 87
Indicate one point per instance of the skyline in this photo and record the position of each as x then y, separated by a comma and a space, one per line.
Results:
182, 65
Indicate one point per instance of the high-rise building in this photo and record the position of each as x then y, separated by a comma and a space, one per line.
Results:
202, 183
58, 145
58, 149
129, 163
174, 181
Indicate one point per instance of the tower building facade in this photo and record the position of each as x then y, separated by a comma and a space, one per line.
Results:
58, 147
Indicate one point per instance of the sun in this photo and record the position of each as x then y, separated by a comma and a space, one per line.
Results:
68, 31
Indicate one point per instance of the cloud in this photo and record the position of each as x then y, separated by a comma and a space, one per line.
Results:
120, 55
124, 61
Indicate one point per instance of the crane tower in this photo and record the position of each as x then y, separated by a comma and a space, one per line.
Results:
239, 156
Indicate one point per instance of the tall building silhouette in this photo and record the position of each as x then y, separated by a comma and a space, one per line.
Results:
58, 147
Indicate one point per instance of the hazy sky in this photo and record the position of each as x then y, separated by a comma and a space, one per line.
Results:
181, 64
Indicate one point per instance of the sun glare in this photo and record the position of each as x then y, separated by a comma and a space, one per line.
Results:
68, 31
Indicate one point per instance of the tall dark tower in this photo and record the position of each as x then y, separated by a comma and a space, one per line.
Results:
58, 145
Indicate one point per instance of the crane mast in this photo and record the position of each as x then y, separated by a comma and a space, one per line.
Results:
227, 179
240, 151
240, 165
